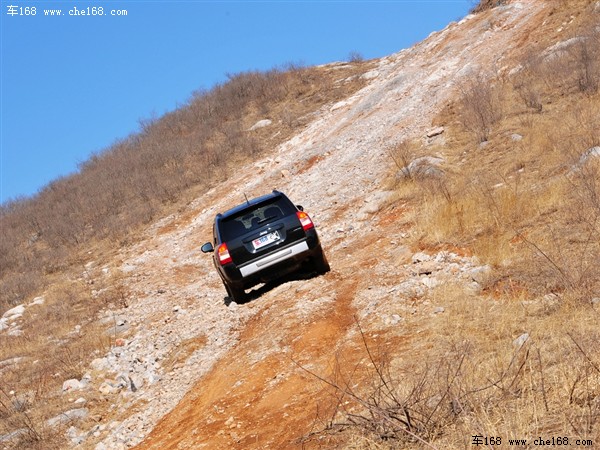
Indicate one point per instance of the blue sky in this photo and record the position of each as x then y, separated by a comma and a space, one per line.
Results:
72, 85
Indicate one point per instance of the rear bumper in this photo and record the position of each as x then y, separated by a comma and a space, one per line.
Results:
272, 259
273, 265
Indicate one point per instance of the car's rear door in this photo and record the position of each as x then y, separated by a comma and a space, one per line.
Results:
262, 229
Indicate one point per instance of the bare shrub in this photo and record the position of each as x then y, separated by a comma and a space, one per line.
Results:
401, 154
589, 63
129, 183
355, 57
480, 106
25, 430
485, 5
427, 402
528, 82
477, 374
390, 409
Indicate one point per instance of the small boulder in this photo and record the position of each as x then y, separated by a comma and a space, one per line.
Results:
68, 417
75, 436
420, 257
136, 382
593, 152
108, 388
14, 313
370, 75
520, 341
339, 105
71, 385
422, 168
100, 364
435, 132
37, 301
15, 332
261, 124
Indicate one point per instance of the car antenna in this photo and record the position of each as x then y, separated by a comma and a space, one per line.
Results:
247, 202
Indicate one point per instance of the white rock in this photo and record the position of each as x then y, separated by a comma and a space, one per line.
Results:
560, 47
480, 274
395, 319
71, 385
107, 388
430, 282
411, 289
261, 124
518, 342
593, 152
435, 132
229, 421
76, 436
68, 417
424, 167
15, 332
370, 75
16, 311
420, 257
11, 362
37, 301
339, 105
13, 435
100, 364
136, 382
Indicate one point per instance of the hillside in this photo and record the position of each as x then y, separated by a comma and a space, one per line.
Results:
455, 191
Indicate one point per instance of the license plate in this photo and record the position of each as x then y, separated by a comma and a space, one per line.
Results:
265, 240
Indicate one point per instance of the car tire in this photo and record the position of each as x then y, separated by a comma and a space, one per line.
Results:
236, 294
321, 264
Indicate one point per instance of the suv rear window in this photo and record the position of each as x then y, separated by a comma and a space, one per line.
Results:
254, 217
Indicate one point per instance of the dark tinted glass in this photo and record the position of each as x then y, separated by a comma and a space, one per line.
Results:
255, 217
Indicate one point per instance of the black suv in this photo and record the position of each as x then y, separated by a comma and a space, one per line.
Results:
261, 240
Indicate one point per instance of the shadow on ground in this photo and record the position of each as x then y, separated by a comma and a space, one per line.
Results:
256, 293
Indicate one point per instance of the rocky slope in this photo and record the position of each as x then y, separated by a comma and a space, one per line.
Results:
190, 371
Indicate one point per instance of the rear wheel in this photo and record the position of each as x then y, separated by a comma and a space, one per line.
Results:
236, 294
321, 264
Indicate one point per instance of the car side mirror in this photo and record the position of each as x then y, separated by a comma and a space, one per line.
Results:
300, 207
207, 248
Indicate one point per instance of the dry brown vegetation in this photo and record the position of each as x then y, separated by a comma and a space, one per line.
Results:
521, 191
183, 152
61, 244
515, 192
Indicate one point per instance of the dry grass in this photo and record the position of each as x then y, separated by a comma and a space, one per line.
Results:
523, 201
469, 375
527, 207
527, 203
59, 339
169, 161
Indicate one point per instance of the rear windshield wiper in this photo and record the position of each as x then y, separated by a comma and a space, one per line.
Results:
266, 219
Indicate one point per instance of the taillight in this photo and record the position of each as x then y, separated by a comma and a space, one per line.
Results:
223, 252
305, 221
